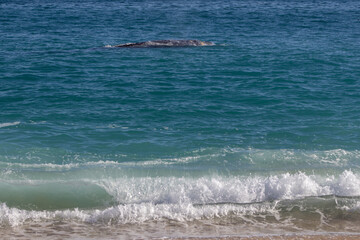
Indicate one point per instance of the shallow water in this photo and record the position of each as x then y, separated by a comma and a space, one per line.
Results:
256, 134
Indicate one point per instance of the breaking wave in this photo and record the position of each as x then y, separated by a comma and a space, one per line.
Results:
139, 199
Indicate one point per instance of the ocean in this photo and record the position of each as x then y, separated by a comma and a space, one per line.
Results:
256, 135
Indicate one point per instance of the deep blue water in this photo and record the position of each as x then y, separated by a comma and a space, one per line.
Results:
271, 112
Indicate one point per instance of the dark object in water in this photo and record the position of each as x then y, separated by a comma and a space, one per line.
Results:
166, 43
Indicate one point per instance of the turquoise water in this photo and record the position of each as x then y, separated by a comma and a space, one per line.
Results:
263, 124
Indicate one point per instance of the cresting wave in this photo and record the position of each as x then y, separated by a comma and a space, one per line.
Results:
218, 189
169, 189
136, 200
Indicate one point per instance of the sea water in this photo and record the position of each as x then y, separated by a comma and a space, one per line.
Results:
258, 134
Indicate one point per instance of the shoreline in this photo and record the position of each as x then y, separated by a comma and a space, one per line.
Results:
310, 236
66, 230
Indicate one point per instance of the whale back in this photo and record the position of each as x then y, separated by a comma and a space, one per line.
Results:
166, 43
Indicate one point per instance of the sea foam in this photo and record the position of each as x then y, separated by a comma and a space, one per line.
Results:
220, 189
142, 199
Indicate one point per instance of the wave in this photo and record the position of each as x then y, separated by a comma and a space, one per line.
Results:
248, 186
218, 189
82, 192
321, 211
223, 159
278, 203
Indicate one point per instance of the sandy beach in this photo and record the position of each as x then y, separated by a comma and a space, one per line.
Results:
284, 237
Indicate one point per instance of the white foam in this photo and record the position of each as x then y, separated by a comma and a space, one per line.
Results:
9, 124
348, 184
240, 158
141, 199
196, 190
51, 166
131, 213
218, 189
335, 157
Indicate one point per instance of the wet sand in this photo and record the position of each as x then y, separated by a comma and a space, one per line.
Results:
167, 230
336, 236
